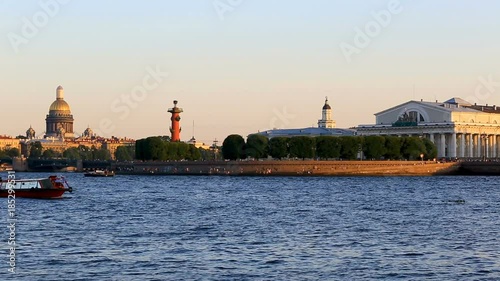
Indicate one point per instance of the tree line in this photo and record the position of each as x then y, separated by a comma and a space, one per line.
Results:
329, 147
160, 149
122, 153
9, 153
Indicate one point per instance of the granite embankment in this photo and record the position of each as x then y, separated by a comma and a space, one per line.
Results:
291, 168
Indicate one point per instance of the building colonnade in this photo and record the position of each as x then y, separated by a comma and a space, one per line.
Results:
464, 145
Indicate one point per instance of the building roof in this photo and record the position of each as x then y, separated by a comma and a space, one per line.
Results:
458, 101
326, 106
59, 105
451, 105
312, 131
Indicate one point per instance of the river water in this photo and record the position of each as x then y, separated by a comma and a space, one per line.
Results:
259, 228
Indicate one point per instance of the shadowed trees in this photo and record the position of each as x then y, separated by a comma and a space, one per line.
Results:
374, 147
124, 153
36, 150
328, 147
278, 147
257, 146
302, 147
233, 147
158, 149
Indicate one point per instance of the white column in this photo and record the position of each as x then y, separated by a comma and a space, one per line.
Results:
442, 146
487, 146
431, 138
493, 148
497, 148
462, 146
453, 145
477, 141
470, 145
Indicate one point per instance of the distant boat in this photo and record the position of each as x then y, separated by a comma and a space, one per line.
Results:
100, 173
51, 187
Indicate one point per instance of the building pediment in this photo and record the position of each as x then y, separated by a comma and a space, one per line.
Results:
414, 112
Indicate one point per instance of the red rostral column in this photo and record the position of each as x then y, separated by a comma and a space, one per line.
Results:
175, 129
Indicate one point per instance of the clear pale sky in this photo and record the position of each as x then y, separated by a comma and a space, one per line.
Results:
256, 65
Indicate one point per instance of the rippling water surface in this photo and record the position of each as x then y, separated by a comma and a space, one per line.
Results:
255, 228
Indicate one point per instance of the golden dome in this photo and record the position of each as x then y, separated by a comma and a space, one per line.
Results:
59, 105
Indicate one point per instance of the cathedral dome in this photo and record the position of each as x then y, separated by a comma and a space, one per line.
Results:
88, 133
59, 105
30, 133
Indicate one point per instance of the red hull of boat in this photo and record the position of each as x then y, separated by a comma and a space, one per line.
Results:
35, 193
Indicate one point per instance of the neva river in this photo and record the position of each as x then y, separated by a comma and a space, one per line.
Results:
259, 228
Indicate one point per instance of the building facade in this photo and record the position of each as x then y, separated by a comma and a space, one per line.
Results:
456, 127
7, 142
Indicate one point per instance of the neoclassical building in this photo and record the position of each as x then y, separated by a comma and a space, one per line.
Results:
326, 127
59, 121
458, 128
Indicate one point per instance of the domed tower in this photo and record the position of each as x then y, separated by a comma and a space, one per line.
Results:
175, 129
88, 133
59, 117
30, 133
326, 120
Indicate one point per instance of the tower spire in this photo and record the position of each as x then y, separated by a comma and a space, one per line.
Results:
326, 120
60, 93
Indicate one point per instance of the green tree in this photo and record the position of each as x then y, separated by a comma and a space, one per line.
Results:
124, 153
302, 147
183, 151
153, 148
49, 154
393, 147
13, 152
412, 148
72, 153
233, 147
257, 146
206, 154
101, 154
140, 149
430, 149
194, 153
350, 146
36, 150
85, 152
374, 147
328, 147
278, 147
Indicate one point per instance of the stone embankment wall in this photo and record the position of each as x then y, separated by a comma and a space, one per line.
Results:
479, 168
289, 168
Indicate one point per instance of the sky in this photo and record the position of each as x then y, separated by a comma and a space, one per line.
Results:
239, 66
